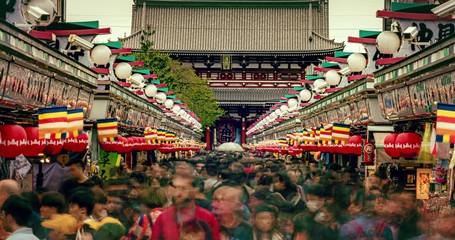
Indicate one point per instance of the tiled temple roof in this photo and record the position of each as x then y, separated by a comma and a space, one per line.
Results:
248, 95
234, 29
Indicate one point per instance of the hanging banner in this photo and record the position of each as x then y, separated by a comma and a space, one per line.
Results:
108, 164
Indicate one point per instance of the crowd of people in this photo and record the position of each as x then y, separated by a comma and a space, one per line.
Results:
219, 198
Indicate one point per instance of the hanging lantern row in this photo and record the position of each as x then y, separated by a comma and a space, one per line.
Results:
406, 145
129, 144
281, 111
354, 146
142, 83
285, 109
16, 140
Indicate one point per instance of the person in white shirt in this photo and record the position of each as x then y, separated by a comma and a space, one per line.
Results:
15, 214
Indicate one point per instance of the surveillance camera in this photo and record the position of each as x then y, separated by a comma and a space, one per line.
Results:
410, 33
444, 9
345, 71
38, 14
80, 42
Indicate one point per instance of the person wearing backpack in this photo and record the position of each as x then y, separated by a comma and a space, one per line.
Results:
152, 201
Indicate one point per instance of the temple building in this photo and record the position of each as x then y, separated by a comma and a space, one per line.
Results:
251, 52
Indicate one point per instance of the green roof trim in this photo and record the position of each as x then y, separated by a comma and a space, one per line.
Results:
165, 89
116, 45
298, 88
129, 58
156, 81
341, 54
73, 25
171, 96
142, 71
290, 96
368, 34
312, 78
178, 101
412, 7
283, 101
229, 3
330, 65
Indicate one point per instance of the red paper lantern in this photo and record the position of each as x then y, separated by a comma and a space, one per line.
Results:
35, 145
111, 146
136, 143
53, 146
143, 144
121, 145
78, 144
356, 144
389, 145
408, 144
13, 140
128, 145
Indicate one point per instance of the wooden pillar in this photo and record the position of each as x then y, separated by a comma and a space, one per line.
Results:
243, 131
208, 139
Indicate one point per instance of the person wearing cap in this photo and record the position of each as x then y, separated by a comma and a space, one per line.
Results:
61, 226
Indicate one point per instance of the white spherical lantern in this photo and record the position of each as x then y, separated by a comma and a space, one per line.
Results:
292, 103
284, 108
160, 97
150, 91
169, 103
388, 42
176, 109
137, 79
320, 85
278, 112
357, 62
123, 70
47, 6
100, 55
332, 77
181, 112
305, 95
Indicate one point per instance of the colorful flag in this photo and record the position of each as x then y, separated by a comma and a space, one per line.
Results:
148, 134
445, 123
317, 135
325, 136
433, 140
107, 129
52, 122
340, 132
161, 135
75, 118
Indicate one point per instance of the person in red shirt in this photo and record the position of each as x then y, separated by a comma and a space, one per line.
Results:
185, 220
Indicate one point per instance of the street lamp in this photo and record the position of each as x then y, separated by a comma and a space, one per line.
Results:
169, 103
305, 95
160, 97
150, 91
357, 62
388, 42
100, 55
292, 103
332, 77
123, 70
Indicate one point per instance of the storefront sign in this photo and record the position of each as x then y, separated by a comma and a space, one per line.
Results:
226, 133
418, 98
368, 153
108, 164
429, 31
